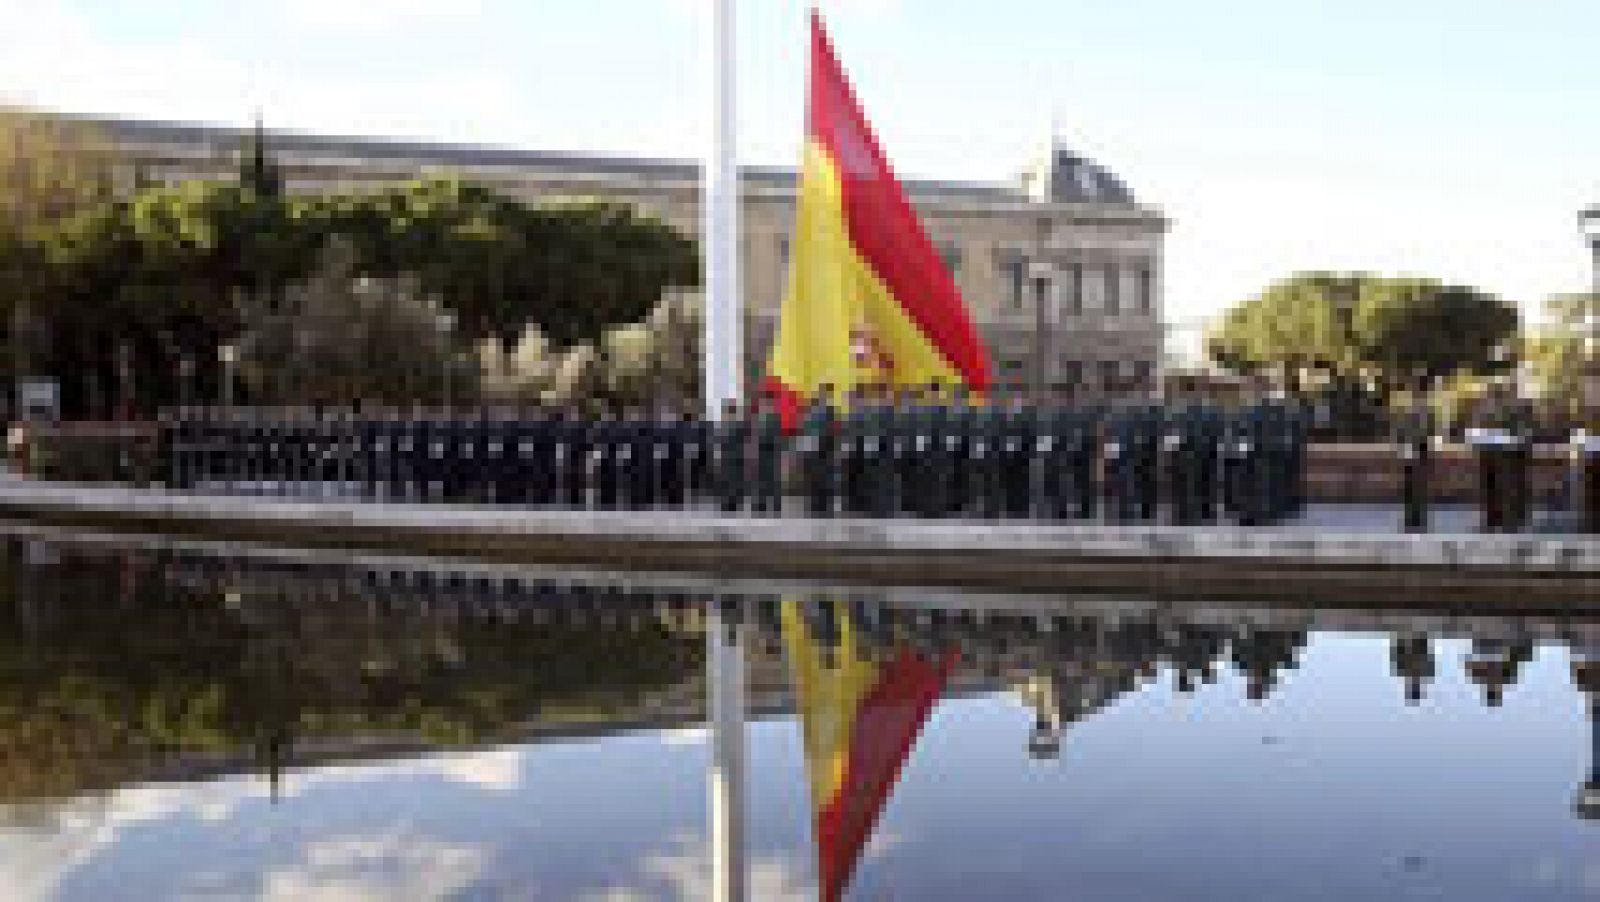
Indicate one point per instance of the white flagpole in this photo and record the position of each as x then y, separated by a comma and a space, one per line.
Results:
723, 353
723, 350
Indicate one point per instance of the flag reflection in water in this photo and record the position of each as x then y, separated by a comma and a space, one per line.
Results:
863, 699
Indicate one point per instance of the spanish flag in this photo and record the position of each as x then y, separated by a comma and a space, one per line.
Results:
869, 299
859, 718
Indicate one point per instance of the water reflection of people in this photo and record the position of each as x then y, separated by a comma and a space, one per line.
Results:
862, 705
1411, 656
1494, 663
1586, 675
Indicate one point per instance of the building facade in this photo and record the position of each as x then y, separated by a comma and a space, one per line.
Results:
1062, 268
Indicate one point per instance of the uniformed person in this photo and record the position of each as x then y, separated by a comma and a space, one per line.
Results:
852, 435
697, 439
910, 443
936, 457
1057, 423
608, 444
987, 428
1413, 442
1147, 461
1016, 456
960, 419
650, 456
817, 452
574, 442
769, 448
1118, 454
730, 448
675, 467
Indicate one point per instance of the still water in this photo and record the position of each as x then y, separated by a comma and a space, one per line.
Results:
176, 723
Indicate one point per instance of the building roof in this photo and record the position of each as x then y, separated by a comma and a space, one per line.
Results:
1094, 183
1065, 177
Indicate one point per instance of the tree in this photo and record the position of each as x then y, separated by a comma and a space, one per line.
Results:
1558, 353
50, 169
152, 279
340, 337
1362, 329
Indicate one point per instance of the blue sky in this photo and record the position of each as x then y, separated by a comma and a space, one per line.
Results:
1455, 138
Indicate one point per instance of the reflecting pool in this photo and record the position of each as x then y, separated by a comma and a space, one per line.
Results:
181, 722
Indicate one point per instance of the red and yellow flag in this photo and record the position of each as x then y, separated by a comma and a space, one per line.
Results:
859, 720
869, 298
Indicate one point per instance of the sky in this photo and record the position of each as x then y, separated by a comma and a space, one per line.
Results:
1449, 138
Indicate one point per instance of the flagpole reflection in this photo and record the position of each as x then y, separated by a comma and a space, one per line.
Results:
725, 678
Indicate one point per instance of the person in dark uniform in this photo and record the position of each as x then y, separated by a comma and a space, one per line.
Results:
985, 427
1056, 426
402, 447
769, 447
369, 435
959, 420
877, 460
574, 441
697, 455
901, 432
730, 447
1087, 471
642, 469
674, 475
607, 446
851, 477
1017, 455
526, 481
817, 447
1147, 438
937, 458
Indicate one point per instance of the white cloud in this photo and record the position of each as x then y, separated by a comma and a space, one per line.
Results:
390, 866
43, 843
684, 872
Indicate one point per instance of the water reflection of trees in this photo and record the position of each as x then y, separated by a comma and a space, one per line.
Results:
131, 667
125, 666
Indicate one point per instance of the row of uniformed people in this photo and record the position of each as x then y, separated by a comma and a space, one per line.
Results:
933, 453
498, 457
930, 453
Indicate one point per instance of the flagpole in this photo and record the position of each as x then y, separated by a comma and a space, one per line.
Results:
723, 361
723, 353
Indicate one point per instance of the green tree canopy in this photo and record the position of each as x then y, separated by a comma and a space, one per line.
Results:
161, 272
1359, 326
1557, 350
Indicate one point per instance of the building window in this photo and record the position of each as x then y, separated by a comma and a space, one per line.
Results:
1015, 270
1075, 290
1072, 372
1110, 373
1144, 372
1145, 299
1113, 291
783, 253
1010, 367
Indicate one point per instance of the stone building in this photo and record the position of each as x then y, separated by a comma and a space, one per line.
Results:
1062, 268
